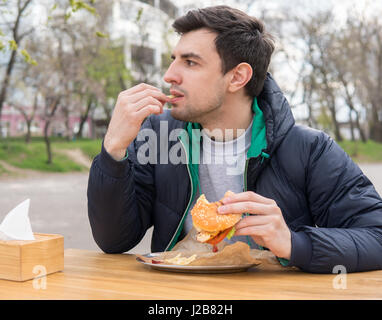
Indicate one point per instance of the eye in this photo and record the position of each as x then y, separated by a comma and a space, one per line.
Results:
190, 63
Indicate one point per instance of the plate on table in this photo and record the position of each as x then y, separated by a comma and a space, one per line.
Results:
191, 269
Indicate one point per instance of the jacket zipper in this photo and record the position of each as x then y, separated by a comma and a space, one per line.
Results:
189, 201
246, 189
245, 174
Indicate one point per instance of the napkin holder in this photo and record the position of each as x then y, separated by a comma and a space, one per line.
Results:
22, 260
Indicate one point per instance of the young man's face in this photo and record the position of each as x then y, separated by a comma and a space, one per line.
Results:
196, 74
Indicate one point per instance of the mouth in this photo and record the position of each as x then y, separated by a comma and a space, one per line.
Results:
175, 96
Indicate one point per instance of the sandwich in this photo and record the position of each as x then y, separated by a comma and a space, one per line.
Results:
211, 226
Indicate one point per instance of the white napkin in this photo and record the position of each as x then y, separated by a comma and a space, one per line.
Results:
16, 224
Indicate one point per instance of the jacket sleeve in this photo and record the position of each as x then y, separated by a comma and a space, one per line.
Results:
120, 197
347, 212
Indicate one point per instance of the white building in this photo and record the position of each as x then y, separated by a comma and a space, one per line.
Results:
144, 29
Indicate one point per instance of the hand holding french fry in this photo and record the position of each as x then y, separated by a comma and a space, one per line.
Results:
132, 107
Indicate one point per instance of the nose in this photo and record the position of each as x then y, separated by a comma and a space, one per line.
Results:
172, 74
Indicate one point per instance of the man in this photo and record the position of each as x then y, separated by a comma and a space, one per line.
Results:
300, 195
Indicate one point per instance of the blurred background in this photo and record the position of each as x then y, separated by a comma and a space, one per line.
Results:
63, 63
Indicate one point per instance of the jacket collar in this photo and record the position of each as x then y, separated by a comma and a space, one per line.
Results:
272, 121
278, 117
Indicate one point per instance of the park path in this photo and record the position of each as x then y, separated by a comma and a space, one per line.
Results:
58, 200
59, 203
77, 156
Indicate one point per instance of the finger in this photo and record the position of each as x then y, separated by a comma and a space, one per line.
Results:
160, 96
147, 110
247, 196
252, 221
138, 88
247, 207
145, 102
259, 231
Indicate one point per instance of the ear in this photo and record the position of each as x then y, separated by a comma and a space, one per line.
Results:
239, 77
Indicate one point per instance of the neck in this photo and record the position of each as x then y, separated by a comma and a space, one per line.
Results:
233, 119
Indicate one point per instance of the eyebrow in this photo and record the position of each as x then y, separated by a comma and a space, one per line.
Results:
188, 55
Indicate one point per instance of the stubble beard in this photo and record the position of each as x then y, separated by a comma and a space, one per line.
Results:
190, 113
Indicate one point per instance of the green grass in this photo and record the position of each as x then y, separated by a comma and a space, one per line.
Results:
33, 155
89, 147
360, 152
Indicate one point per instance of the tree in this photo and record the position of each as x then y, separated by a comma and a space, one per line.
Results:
13, 26
16, 28
108, 70
364, 38
319, 81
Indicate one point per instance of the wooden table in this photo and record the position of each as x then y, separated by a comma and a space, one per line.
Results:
95, 275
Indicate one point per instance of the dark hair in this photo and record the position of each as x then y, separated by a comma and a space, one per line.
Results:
240, 38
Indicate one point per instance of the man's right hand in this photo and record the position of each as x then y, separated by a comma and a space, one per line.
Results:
132, 107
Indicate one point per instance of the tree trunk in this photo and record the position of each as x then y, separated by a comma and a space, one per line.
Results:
4, 87
49, 116
351, 125
68, 134
376, 131
84, 117
28, 135
376, 124
349, 101
337, 132
331, 105
309, 102
360, 130
28, 119
11, 62
332, 109
47, 142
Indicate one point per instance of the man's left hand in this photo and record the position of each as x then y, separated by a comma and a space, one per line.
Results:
266, 225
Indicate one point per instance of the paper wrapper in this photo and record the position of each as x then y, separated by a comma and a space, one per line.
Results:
235, 254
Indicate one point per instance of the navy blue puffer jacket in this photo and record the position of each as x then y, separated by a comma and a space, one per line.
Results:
332, 209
